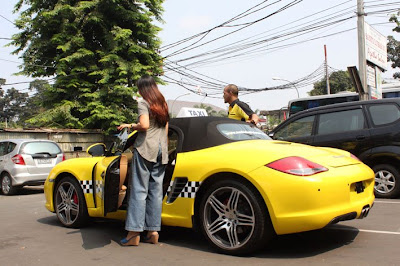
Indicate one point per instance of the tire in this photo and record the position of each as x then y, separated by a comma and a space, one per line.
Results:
6, 185
225, 205
387, 181
70, 204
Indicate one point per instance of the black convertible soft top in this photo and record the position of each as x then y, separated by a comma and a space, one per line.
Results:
200, 132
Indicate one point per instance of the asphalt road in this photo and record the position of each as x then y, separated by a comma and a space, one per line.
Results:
30, 235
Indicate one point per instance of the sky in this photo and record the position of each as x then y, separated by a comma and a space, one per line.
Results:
289, 58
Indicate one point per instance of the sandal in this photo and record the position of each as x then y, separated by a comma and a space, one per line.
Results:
133, 241
152, 238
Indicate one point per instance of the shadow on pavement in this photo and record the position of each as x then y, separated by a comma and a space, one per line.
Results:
309, 244
102, 232
298, 245
97, 234
29, 190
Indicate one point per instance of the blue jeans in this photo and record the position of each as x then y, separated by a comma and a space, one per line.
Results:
145, 198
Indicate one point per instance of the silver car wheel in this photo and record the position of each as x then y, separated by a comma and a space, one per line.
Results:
67, 203
6, 184
384, 181
229, 218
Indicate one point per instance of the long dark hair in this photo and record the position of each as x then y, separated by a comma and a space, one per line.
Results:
158, 106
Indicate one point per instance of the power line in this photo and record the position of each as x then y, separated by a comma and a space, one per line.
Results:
7, 19
186, 49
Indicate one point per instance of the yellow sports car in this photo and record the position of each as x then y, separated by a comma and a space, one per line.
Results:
225, 177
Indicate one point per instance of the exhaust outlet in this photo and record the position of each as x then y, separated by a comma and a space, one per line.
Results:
365, 211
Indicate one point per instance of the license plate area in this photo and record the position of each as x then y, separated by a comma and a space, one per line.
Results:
359, 187
44, 161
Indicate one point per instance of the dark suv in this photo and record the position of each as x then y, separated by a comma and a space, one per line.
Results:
368, 129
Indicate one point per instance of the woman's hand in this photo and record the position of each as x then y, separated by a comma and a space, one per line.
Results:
122, 126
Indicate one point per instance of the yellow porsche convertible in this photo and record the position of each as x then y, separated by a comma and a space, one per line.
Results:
226, 178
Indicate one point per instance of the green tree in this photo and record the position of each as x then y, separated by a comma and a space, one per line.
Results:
36, 103
393, 47
12, 105
95, 51
338, 81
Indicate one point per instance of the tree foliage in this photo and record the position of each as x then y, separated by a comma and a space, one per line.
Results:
12, 105
95, 50
338, 81
211, 111
393, 47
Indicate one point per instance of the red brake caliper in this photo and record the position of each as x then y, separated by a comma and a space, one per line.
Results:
75, 198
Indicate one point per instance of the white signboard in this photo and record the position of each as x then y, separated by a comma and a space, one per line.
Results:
375, 47
191, 112
374, 82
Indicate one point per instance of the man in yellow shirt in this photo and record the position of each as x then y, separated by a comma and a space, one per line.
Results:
237, 109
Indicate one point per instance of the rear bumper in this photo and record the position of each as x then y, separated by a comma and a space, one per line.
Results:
352, 215
26, 179
298, 204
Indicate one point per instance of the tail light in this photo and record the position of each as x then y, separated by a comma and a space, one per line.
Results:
354, 157
63, 157
18, 159
297, 166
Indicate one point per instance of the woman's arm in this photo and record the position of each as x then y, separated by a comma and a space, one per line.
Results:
142, 125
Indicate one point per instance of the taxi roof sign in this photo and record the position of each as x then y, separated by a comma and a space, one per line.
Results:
191, 112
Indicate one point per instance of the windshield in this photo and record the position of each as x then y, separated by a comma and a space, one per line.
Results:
241, 131
119, 142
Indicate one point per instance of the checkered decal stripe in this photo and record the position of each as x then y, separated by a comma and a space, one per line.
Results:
189, 191
87, 186
99, 186
170, 187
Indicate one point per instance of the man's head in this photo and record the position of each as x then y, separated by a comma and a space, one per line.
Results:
231, 93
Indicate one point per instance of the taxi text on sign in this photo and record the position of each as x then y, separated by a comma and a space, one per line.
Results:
191, 112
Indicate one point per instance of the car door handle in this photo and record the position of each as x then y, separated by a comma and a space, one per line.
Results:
360, 137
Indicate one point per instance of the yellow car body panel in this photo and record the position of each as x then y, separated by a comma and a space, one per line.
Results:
295, 203
81, 169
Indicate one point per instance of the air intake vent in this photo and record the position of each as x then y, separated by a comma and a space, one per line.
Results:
176, 188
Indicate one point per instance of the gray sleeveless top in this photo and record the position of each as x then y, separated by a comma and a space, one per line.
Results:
148, 142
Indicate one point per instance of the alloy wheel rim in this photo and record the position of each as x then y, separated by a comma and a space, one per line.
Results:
67, 203
6, 184
229, 218
384, 181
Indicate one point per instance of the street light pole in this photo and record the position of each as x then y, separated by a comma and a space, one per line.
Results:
172, 105
290, 82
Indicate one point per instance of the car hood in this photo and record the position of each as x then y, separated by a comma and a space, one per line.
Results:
273, 150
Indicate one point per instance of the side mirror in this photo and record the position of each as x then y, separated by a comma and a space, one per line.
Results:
97, 149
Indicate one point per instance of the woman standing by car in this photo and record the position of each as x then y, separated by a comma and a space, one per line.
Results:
150, 158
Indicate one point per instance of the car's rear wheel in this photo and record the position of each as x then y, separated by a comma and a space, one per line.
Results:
70, 203
6, 185
387, 181
234, 218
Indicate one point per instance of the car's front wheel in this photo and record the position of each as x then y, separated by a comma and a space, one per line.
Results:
234, 218
70, 203
6, 185
387, 181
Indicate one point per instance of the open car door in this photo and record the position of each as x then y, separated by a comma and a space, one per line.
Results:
113, 175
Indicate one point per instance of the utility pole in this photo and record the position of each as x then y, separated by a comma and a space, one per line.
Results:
362, 60
328, 88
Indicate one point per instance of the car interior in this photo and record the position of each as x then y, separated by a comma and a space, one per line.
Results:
121, 172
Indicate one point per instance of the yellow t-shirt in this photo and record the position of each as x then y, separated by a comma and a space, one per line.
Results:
239, 110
